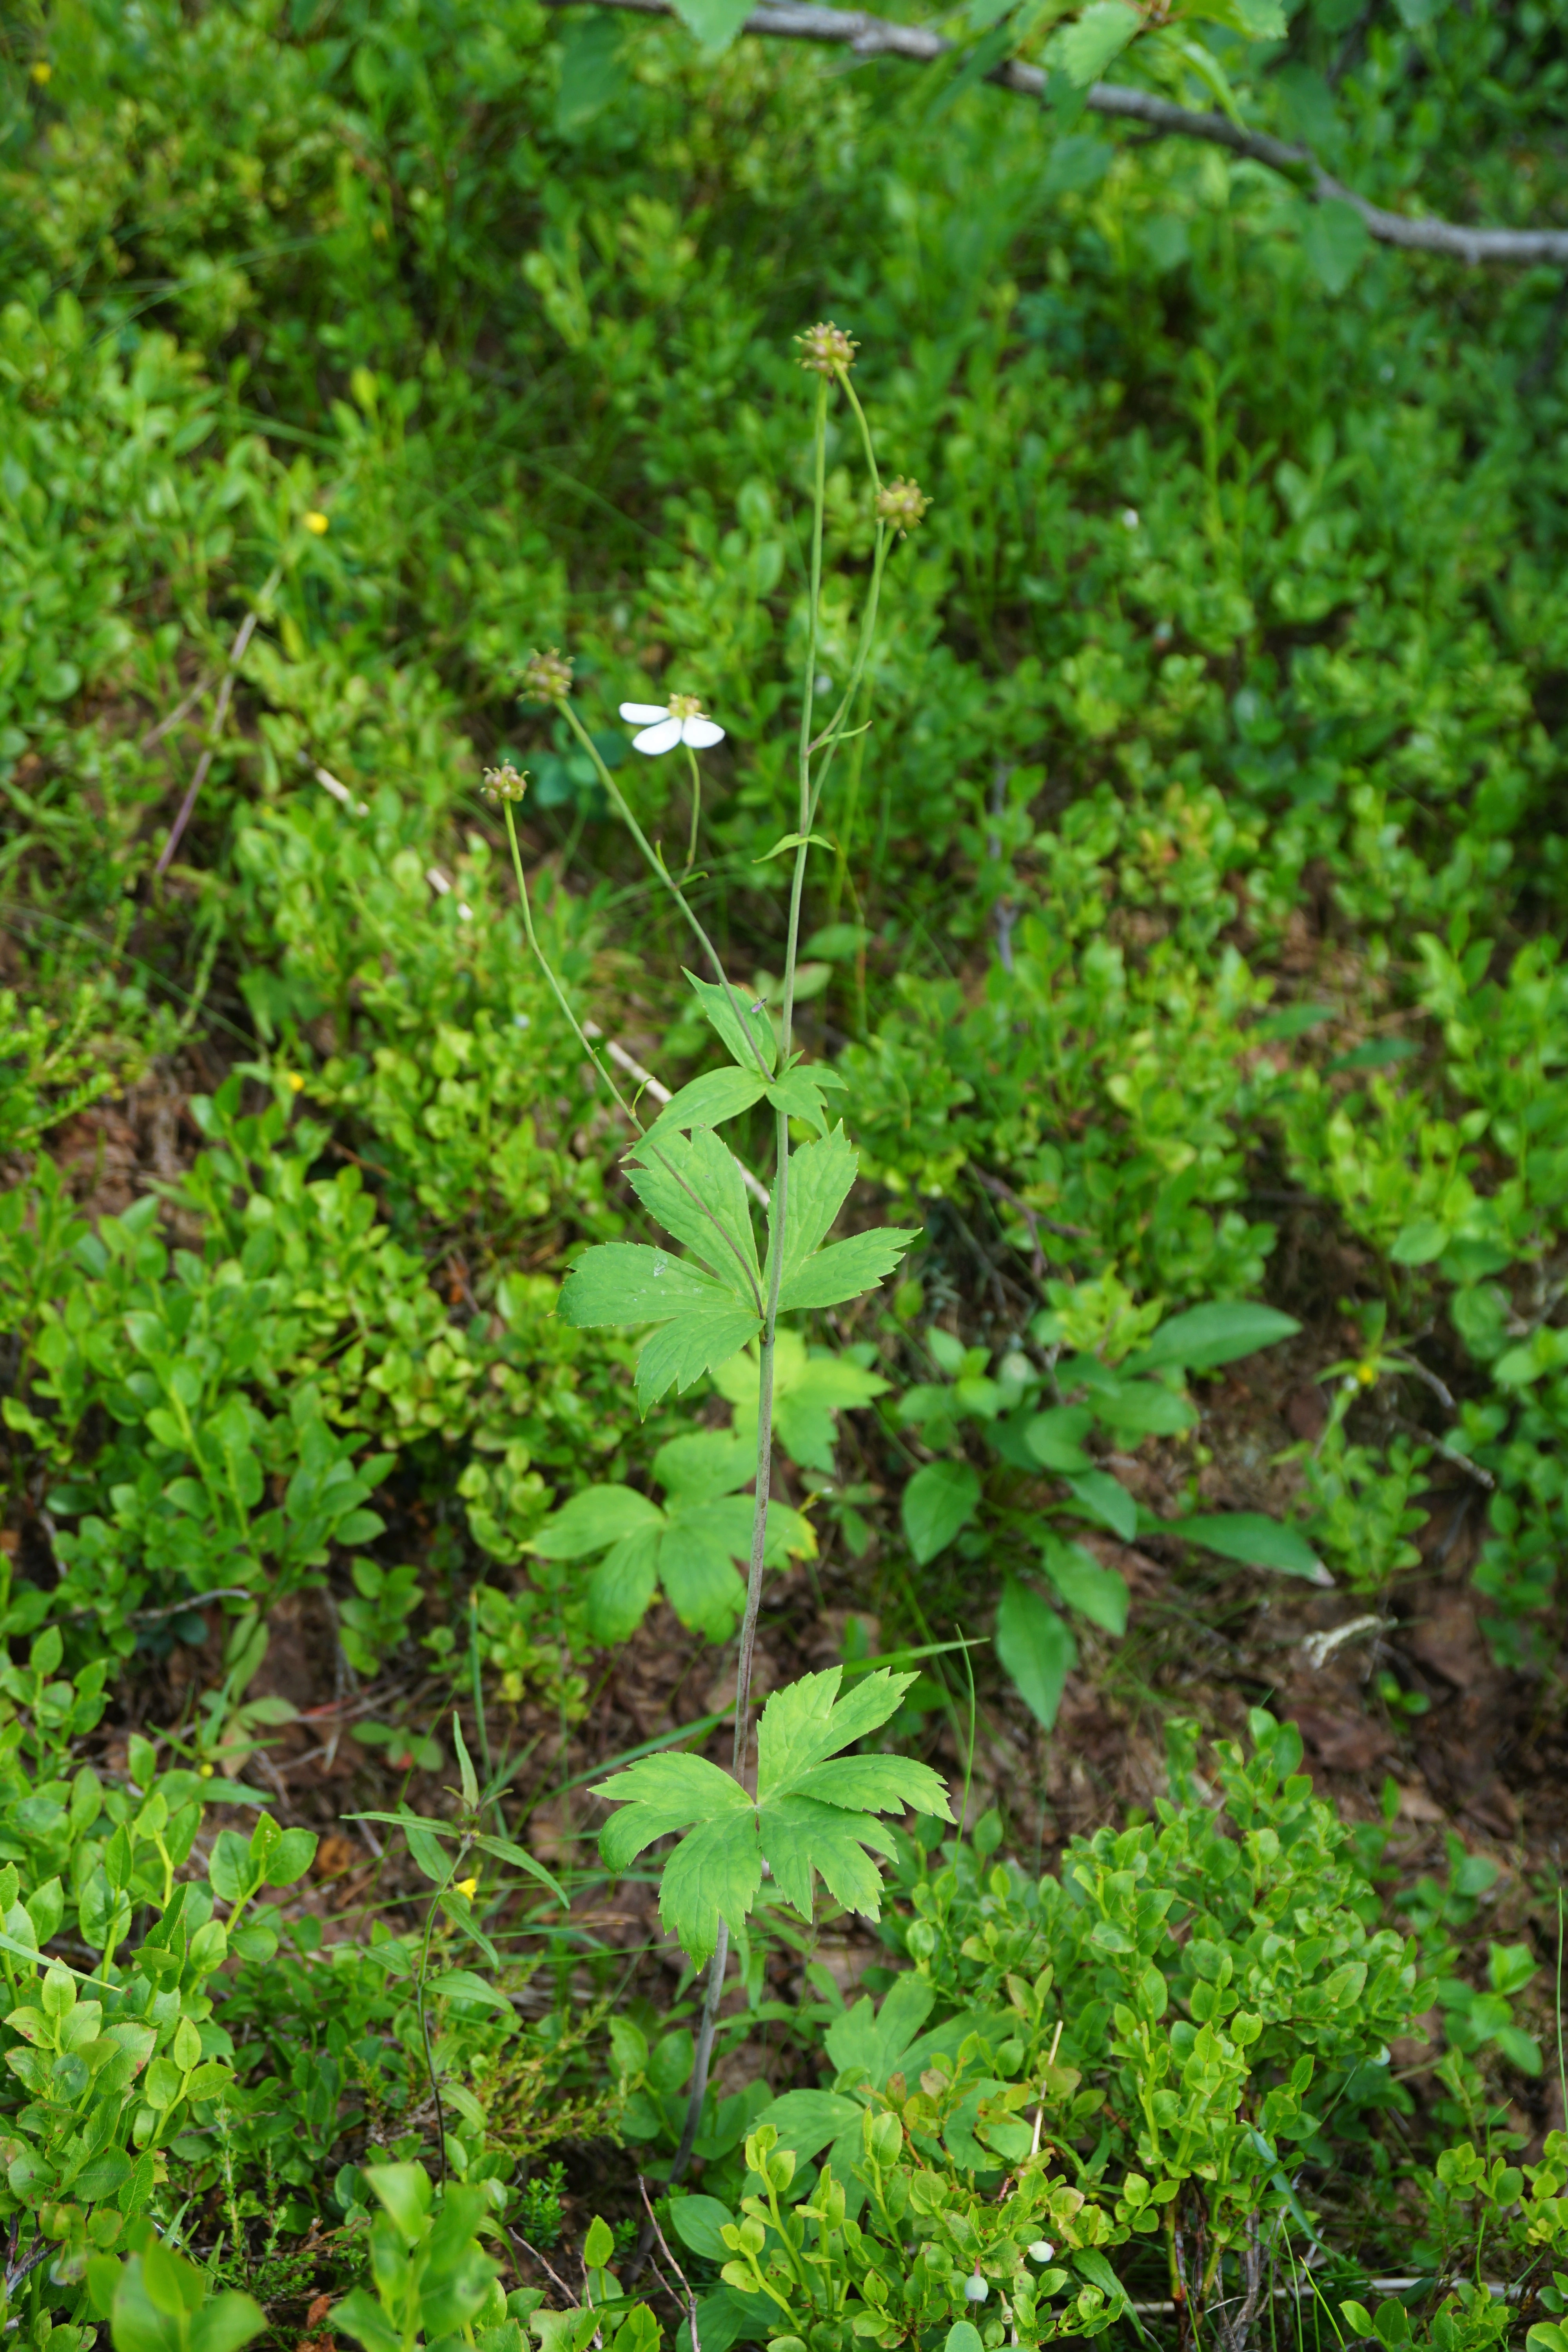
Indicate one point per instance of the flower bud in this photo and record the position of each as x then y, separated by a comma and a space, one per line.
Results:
1041, 2250
975, 2289
901, 503
546, 677
827, 349
504, 783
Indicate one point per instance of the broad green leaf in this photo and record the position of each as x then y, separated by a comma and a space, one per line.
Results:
698, 2221
1096, 1592
753, 1047
715, 23
1105, 1498
820, 1176
962, 2336
1056, 1437
462, 1984
1253, 1538
683, 1350
714, 1873
692, 1185
1101, 33
1419, 1243
940, 1499
806, 1721
622, 1586
799, 1094
660, 1794
1209, 1336
1035, 1647
808, 1390
597, 1517
405, 2193
709, 1101
704, 1463
803, 1836
694, 1567
291, 1857
625, 1283
1146, 1409
807, 2120
1335, 240
845, 1270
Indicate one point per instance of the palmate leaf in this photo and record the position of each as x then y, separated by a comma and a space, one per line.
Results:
691, 1183
626, 1281
820, 1176
814, 1814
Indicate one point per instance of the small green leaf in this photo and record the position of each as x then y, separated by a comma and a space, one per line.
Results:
1035, 1647
599, 2246
1253, 1540
466, 1773
623, 1584
846, 1269
940, 1499
1420, 1242
694, 1343
752, 1046
792, 841
595, 1518
692, 1184
710, 1101
1206, 1336
1105, 1498
462, 1984
1101, 33
1335, 240
1056, 1437
1096, 1592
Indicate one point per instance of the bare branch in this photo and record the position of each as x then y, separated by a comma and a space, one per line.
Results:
875, 36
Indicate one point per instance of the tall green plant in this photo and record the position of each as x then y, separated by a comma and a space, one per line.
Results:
813, 1809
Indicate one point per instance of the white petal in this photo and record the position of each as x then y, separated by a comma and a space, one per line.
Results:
701, 733
662, 738
643, 714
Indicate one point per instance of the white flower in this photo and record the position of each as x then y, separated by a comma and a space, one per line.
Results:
1130, 517
680, 720
1041, 2250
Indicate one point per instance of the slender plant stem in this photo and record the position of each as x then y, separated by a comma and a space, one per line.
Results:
625, 1109
696, 808
618, 802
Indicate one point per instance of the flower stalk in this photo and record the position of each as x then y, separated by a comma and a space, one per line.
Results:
829, 354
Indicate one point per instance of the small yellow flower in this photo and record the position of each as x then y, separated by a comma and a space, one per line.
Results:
827, 349
294, 1082
204, 1771
1367, 1375
42, 71
317, 521
469, 1886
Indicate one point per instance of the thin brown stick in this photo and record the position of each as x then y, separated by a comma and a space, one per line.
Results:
675, 2266
874, 37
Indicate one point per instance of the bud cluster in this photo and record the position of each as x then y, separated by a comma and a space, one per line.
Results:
827, 349
547, 678
902, 503
504, 783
